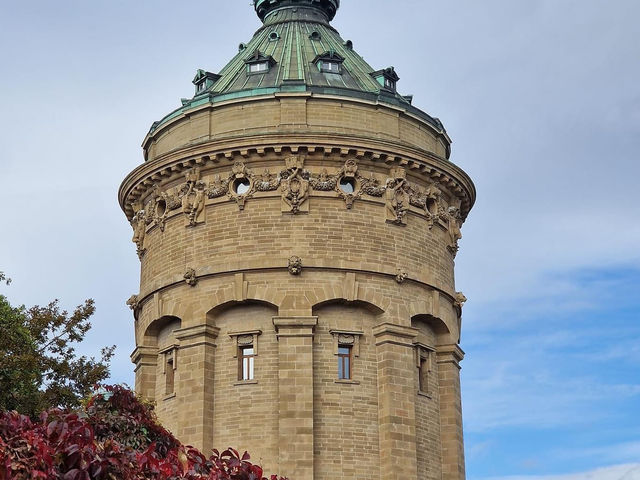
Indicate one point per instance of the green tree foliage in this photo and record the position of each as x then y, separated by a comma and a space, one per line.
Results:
39, 366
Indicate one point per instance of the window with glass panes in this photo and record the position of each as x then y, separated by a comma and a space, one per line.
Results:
344, 362
246, 362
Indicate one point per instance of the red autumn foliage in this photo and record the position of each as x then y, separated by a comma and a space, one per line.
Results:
116, 437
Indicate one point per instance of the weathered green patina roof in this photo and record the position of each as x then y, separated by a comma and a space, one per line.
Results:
295, 36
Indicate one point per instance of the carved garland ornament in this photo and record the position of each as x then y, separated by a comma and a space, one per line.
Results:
323, 182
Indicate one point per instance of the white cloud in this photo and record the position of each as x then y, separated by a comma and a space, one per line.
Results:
616, 472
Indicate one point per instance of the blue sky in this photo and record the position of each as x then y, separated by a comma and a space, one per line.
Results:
542, 100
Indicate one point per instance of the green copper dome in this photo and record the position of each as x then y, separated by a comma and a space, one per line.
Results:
297, 50
265, 7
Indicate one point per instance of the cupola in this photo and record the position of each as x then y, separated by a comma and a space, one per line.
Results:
266, 7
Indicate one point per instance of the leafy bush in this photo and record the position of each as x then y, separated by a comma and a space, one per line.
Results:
115, 437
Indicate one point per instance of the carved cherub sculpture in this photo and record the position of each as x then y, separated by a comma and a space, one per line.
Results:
193, 198
397, 197
139, 225
455, 234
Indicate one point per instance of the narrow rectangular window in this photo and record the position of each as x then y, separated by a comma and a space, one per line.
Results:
169, 375
246, 359
423, 375
344, 362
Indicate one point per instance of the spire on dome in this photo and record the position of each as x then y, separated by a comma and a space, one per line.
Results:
265, 7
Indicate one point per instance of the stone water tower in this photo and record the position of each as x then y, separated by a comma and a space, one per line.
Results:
297, 221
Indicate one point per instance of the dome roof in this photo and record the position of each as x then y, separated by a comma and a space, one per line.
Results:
295, 40
297, 50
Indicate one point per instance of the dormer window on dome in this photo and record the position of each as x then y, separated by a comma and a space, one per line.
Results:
329, 62
204, 80
387, 78
259, 63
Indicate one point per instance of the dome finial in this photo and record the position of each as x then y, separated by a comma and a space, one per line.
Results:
265, 7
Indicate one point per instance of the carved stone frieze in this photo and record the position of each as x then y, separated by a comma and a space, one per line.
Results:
190, 277
397, 196
295, 186
458, 187
295, 265
193, 198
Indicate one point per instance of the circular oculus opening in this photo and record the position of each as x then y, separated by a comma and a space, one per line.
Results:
347, 185
161, 208
432, 206
241, 186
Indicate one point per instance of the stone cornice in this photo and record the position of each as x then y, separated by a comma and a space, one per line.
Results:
179, 282
144, 355
214, 154
295, 326
395, 334
449, 354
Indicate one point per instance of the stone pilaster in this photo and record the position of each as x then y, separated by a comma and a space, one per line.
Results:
448, 358
396, 400
295, 395
194, 385
145, 360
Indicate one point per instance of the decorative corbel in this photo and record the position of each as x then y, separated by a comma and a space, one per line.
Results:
190, 277
295, 265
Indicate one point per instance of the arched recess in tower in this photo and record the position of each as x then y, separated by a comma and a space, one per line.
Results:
297, 222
